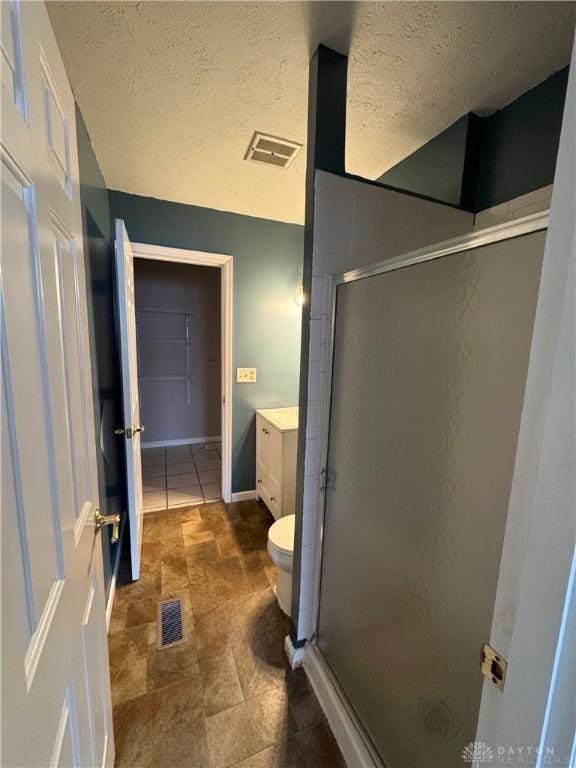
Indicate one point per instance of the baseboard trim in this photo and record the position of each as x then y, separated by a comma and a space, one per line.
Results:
346, 732
244, 496
295, 655
113, 580
183, 441
158, 510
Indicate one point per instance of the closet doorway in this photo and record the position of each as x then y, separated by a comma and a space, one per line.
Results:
183, 338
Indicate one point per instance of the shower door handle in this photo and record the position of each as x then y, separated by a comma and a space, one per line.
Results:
328, 480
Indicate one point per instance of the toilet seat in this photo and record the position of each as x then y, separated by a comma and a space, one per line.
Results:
281, 535
281, 551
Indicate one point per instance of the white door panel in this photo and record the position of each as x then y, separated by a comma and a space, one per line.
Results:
56, 707
532, 619
130, 395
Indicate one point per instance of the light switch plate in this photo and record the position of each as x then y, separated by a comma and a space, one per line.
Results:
246, 375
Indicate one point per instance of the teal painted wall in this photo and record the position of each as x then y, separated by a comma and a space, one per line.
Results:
520, 143
437, 168
267, 258
105, 371
93, 191
480, 162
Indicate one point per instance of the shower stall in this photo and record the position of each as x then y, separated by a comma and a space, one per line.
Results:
428, 357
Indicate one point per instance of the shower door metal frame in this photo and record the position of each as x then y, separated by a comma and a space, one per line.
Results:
516, 228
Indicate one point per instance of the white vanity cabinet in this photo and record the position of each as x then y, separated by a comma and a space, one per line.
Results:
276, 445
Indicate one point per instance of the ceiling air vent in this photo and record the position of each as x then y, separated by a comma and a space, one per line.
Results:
271, 150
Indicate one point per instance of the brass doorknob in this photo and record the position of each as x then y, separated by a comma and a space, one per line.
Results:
113, 520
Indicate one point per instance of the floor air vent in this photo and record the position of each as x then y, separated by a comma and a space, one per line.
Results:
170, 626
271, 150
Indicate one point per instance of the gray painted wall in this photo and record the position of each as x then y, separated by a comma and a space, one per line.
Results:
105, 370
437, 168
178, 329
481, 162
268, 258
520, 144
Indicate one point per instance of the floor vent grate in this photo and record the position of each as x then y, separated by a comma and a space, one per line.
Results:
171, 630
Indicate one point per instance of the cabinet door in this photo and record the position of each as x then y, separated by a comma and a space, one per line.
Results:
262, 456
274, 478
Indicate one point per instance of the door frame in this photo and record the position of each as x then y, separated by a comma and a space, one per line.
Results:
225, 264
352, 739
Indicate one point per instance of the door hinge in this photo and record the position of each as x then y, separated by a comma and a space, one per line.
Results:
129, 432
493, 666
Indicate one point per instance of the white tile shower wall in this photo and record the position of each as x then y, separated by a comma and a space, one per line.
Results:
532, 202
355, 224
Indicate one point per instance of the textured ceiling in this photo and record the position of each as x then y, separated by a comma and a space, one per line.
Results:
172, 92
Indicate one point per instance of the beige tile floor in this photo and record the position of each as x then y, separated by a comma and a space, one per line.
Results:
182, 475
225, 697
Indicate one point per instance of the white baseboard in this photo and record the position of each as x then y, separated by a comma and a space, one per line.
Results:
183, 441
295, 655
112, 590
350, 740
244, 496
158, 510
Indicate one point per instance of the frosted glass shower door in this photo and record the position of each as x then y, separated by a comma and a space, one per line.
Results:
429, 371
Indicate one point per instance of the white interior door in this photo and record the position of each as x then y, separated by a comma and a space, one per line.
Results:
56, 705
532, 721
128, 355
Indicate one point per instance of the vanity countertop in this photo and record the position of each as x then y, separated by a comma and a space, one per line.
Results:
284, 419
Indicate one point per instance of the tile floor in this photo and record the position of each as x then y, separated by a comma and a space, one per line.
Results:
181, 476
226, 697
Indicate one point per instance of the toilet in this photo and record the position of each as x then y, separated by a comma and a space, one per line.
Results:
281, 550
